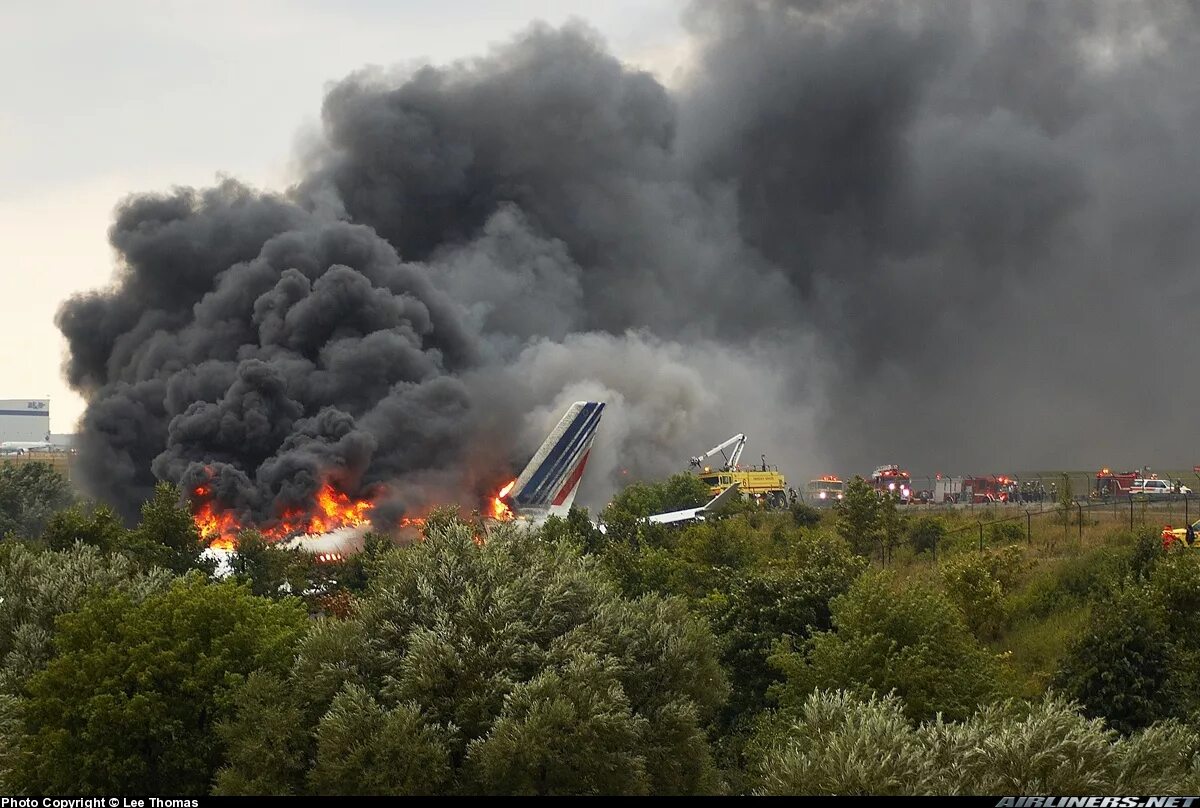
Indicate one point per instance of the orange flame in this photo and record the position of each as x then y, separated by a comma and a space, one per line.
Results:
332, 509
499, 509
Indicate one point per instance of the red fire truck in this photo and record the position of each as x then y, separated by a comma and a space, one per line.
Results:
893, 480
1109, 484
993, 488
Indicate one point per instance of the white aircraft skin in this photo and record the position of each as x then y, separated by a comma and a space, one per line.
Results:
695, 514
21, 447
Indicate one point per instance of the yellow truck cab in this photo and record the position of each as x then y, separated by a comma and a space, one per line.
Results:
768, 487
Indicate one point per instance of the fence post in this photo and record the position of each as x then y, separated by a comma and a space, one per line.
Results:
981, 537
1028, 526
1131, 511
1187, 517
1079, 505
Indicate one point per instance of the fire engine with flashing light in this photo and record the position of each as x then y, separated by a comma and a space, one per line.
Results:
1111, 485
993, 488
893, 480
828, 489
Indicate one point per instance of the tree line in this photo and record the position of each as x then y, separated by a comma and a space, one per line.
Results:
790, 652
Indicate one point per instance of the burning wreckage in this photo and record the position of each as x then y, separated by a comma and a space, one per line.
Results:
335, 525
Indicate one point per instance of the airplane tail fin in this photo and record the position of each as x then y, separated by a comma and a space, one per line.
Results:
551, 480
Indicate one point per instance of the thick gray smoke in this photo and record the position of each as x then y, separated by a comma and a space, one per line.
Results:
941, 234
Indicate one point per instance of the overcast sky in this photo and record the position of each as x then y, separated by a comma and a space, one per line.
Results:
100, 100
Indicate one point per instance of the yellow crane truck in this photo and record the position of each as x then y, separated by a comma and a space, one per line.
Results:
764, 483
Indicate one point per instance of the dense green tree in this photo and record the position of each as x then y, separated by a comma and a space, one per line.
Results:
858, 517
569, 730
10, 740
760, 608
30, 493
576, 526
98, 526
130, 703
36, 587
907, 638
517, 658
1137, 662
892, 527
267, 745
363, 748
167, 536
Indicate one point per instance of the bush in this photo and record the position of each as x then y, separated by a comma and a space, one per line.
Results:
970, 584
1006, 532
1129, 667
858, 517
805, 515
907, 639
836, 743
758, 609
926, 534
30, 493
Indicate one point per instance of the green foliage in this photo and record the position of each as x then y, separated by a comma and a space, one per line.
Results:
859, 519
838, 744
926, 534
978, 582
30, 493
567, 731
365, 749
639, 500
10, 735
270, 569
36, 587
130, 703
98, 526
910, 639
1137, 662
805, 515
759, 609
577, 528
267, 746
970, 585
166, 536
1005, 532
513, 660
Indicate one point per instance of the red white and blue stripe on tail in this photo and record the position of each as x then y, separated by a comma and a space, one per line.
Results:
551, 479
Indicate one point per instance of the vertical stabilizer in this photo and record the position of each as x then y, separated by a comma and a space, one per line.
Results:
550, 481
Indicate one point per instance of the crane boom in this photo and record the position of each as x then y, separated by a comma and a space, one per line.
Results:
738, 442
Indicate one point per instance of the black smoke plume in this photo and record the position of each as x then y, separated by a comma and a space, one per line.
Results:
944, 234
